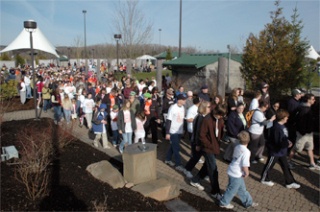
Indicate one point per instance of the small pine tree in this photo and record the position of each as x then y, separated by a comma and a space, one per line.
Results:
275, 56
19, 60
169, 55
4, 56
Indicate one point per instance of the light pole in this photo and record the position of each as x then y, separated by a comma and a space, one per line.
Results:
160, 38
30, 26
228, 77
117, 37
85, 41
180, 27
92, 56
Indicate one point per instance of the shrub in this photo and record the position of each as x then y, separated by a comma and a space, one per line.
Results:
35, 156
8, 90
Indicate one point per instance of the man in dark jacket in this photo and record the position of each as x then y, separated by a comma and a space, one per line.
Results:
211, 132
305, 131
293, 108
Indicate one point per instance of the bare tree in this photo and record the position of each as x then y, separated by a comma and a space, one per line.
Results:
78, 45
129, 21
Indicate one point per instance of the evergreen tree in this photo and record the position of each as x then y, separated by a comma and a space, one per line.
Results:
4, 56
277, 55
169, 55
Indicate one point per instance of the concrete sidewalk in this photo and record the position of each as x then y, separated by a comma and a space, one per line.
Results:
276, 198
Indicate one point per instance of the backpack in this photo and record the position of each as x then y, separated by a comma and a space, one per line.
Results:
248, 117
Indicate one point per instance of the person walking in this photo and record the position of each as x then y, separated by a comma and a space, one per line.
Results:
211, 132
174, 130
305, 128
237, 171
235, 124
277, 146
99, 121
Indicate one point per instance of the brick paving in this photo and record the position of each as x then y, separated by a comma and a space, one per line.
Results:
276, 198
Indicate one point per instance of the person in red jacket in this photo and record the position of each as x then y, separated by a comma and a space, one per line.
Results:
211, 131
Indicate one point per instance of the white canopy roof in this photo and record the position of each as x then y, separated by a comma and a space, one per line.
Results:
146, 57
312, 53
40, 42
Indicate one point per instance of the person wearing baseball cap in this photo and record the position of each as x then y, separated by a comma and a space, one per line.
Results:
167, 101
293, 107
203, 95
174, 130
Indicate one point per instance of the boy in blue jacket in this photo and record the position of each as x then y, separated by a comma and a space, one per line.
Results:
98, 126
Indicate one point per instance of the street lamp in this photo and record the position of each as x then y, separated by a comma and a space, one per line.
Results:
92, 56
180, 27
228, 46
117, 37
85, 41
30, 26
160, 38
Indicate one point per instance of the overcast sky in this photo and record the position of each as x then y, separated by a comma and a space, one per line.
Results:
206, 24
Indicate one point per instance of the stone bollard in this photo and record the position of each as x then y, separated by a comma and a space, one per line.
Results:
139, 162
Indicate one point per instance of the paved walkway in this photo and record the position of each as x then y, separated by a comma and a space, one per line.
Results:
276, 198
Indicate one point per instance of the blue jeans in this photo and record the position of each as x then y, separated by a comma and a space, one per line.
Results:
174, 149
212, 172
126, 138
57, 113
236, 186
46, 104
28, 89
67, 115
115, 137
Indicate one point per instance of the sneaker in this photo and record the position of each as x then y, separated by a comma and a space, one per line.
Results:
291, 165
314, 167
268, 183
201, 161
55, 122
254, 162
261, 159
197, 185
293, 185
188, 174
115, 145
318, 161
254, 204
106, 147
207, 179
180, 169
121, 151
38, 107
229, 206
216, 196
169, 162
96, 145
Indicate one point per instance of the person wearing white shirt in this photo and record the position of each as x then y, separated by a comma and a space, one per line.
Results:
237, 171
191, 113
259, 121
88, 107
27, 82
22, 92
255, 101
174, 130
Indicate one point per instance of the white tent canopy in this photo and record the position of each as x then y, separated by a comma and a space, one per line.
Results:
40, 42
312, 53
146, 57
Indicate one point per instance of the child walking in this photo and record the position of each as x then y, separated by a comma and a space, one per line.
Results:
237, 171
98, 126
114, 126
140, 133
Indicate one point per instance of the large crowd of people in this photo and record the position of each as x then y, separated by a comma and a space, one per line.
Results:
128, 110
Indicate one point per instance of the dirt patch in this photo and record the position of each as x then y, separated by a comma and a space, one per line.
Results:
71, 187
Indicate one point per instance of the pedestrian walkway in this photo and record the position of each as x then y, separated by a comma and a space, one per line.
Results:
276, 198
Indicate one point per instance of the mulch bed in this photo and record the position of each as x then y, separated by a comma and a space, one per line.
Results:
71, 187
